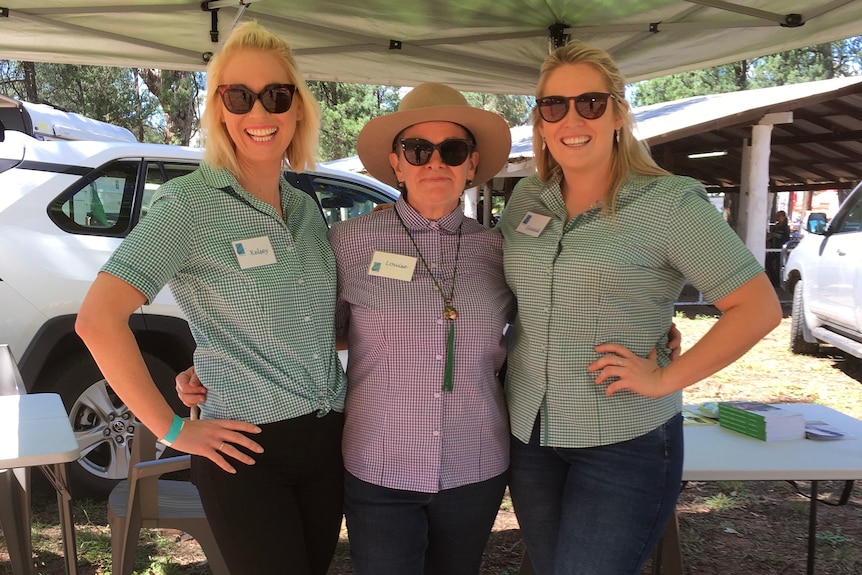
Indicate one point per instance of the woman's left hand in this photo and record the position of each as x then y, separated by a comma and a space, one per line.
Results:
640, 375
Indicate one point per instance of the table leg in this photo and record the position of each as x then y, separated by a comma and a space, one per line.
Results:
58, 475
667, 557
812, 529
15, 519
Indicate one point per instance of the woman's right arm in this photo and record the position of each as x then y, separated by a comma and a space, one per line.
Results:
103, 325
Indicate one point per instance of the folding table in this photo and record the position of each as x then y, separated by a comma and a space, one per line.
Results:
35, 432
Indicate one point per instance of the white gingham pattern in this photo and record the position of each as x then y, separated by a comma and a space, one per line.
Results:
596, 280
401, 430
265, 335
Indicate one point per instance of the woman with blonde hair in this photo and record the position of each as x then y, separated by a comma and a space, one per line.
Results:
247, 258
597, 247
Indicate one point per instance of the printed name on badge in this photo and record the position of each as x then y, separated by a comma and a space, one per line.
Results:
533, 224
394, 266
253, 252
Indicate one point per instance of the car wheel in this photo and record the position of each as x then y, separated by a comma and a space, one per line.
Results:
102, 423
797, 340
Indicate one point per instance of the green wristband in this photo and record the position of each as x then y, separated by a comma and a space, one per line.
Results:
174, 431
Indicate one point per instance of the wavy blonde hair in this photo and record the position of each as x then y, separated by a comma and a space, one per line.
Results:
219, 150
629, 153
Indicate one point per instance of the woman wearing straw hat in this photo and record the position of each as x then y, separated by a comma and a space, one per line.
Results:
423, 304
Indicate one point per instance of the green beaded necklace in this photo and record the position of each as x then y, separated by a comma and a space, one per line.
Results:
450, 314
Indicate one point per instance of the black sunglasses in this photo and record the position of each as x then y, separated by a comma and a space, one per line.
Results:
275, 98
590, 106
453, 152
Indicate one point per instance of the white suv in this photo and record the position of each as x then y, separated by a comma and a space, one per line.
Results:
64, 207
824, 274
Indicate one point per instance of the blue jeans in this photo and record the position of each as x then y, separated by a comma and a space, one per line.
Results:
396, 532
597, 510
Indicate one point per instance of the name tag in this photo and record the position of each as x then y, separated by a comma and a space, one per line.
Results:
533, 224
253, 252
395, 266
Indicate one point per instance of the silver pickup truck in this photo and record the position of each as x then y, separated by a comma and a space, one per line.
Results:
824, 274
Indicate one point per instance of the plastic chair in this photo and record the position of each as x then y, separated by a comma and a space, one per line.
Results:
15, 483
145, 500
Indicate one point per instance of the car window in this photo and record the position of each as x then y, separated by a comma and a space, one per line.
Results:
157, 174
109, 201
100, 203
342, 200
851, 220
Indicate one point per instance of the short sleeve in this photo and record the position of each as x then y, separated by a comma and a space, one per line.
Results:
156, 249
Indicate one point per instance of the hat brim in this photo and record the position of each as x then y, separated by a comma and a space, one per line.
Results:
493, 139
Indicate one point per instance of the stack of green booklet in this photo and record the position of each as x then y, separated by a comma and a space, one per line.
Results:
761, 420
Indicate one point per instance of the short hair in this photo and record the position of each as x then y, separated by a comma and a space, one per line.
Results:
630, 154
219, 150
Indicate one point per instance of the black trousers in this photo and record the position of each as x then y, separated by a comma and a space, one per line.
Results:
282, 514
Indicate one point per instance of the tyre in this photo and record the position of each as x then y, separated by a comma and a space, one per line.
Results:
797, 340
102, 423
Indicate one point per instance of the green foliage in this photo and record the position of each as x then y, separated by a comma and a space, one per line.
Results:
344, 110
514, 109
718, 80
833, 539
820, 62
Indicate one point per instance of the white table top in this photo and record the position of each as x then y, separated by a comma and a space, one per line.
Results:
35, 430
713, 453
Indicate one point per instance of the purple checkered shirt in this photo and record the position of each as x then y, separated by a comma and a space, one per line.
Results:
402, 431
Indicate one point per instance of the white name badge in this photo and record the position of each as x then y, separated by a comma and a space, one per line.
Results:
533, 224
395, 266
253, 252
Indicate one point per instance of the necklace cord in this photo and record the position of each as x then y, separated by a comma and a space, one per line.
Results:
450, 314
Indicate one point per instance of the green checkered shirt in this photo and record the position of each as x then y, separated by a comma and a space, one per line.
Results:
265, 334
599, 280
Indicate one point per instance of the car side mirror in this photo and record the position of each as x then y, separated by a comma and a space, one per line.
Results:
816, 223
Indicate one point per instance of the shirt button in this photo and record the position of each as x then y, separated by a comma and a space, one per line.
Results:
433, 265
438, 357
546, 309
291, 248
549, 270
437, 395
436, 433
300, 281
316, 356
440, 321
307, 318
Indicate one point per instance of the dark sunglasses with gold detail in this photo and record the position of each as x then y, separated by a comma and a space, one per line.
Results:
275, 98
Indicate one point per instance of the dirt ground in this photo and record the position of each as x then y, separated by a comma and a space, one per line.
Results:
726, 528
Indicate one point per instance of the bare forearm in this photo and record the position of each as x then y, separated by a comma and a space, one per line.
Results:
103, 325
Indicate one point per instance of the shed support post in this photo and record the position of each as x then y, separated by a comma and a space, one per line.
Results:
755, 202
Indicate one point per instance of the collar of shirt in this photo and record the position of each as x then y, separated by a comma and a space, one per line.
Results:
552, 195
415, 221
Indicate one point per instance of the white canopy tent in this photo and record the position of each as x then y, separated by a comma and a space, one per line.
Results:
478, 45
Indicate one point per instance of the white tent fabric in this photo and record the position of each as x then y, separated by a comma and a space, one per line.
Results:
478, 45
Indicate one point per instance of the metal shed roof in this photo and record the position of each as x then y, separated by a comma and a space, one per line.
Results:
820, 149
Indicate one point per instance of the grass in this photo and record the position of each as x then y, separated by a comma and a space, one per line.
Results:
727, 528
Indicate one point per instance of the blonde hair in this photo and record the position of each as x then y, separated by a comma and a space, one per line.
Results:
629, 154
219, 149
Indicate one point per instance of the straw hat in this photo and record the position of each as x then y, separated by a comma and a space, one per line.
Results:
431, 102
